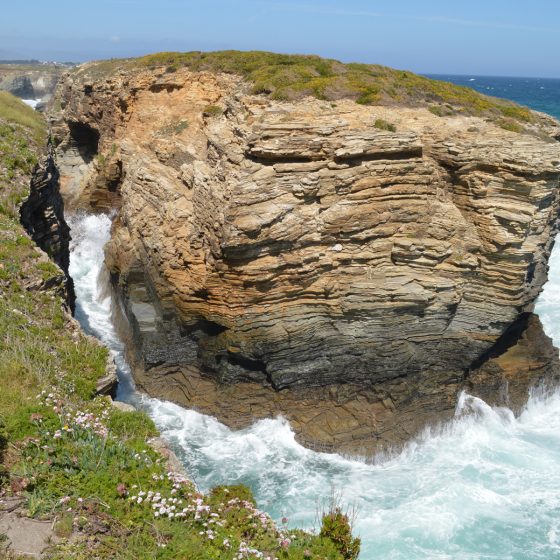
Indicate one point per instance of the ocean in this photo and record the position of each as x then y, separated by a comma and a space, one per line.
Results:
540, 94
484, 487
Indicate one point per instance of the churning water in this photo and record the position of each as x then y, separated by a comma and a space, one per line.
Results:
486, 486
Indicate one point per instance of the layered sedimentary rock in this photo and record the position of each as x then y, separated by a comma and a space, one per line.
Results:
294, 258
42, 215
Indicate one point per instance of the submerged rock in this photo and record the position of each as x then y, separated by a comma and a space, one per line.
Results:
297, 258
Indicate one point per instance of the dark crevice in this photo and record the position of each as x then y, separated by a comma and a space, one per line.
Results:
250, 365
273, 160
530, 272
509, 338
85, 138
156, 88
411, 153
388, 155
209, 328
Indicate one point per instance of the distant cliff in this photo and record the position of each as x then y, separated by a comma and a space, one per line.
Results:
341, 244
37, 81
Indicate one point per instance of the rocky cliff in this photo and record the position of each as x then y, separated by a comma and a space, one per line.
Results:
30, 81
346, 265
42, 216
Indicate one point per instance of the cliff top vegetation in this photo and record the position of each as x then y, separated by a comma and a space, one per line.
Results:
289, 77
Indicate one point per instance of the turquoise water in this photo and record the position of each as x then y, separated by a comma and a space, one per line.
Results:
485, 486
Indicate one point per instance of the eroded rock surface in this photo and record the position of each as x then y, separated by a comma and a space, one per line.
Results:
42, 216
294, 258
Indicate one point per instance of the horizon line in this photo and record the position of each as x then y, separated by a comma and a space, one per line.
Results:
15, 60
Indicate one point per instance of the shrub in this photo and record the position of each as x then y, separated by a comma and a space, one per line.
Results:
436, 110
212, 111
382, 124
336, 527
131, 425
510, 124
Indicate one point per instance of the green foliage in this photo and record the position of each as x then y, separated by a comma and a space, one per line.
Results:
17, 113
382, 124
336, 527
212, 111
510, 124
224, 494
131, 425
17, 157
287, 77
48, 270
63, 526
174, 128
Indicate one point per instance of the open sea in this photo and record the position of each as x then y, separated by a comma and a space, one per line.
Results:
540, 94
484, 487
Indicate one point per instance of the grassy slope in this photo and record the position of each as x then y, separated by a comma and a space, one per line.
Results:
73, 457
287, 77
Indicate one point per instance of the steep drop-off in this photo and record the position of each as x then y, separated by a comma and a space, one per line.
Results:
345, 265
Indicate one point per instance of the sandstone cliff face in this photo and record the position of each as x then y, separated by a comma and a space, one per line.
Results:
294, 258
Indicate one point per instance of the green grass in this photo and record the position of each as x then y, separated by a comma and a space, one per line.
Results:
15, 112
288, 77
73, 457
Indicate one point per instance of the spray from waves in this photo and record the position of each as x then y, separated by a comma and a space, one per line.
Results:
548, 304
486, 485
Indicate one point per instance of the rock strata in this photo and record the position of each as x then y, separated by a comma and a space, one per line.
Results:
42, 215
294, 258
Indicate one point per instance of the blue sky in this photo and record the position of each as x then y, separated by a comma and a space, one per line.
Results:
492, 37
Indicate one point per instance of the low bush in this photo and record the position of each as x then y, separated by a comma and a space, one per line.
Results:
212, 111
336, 527
382, 124
174, 128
